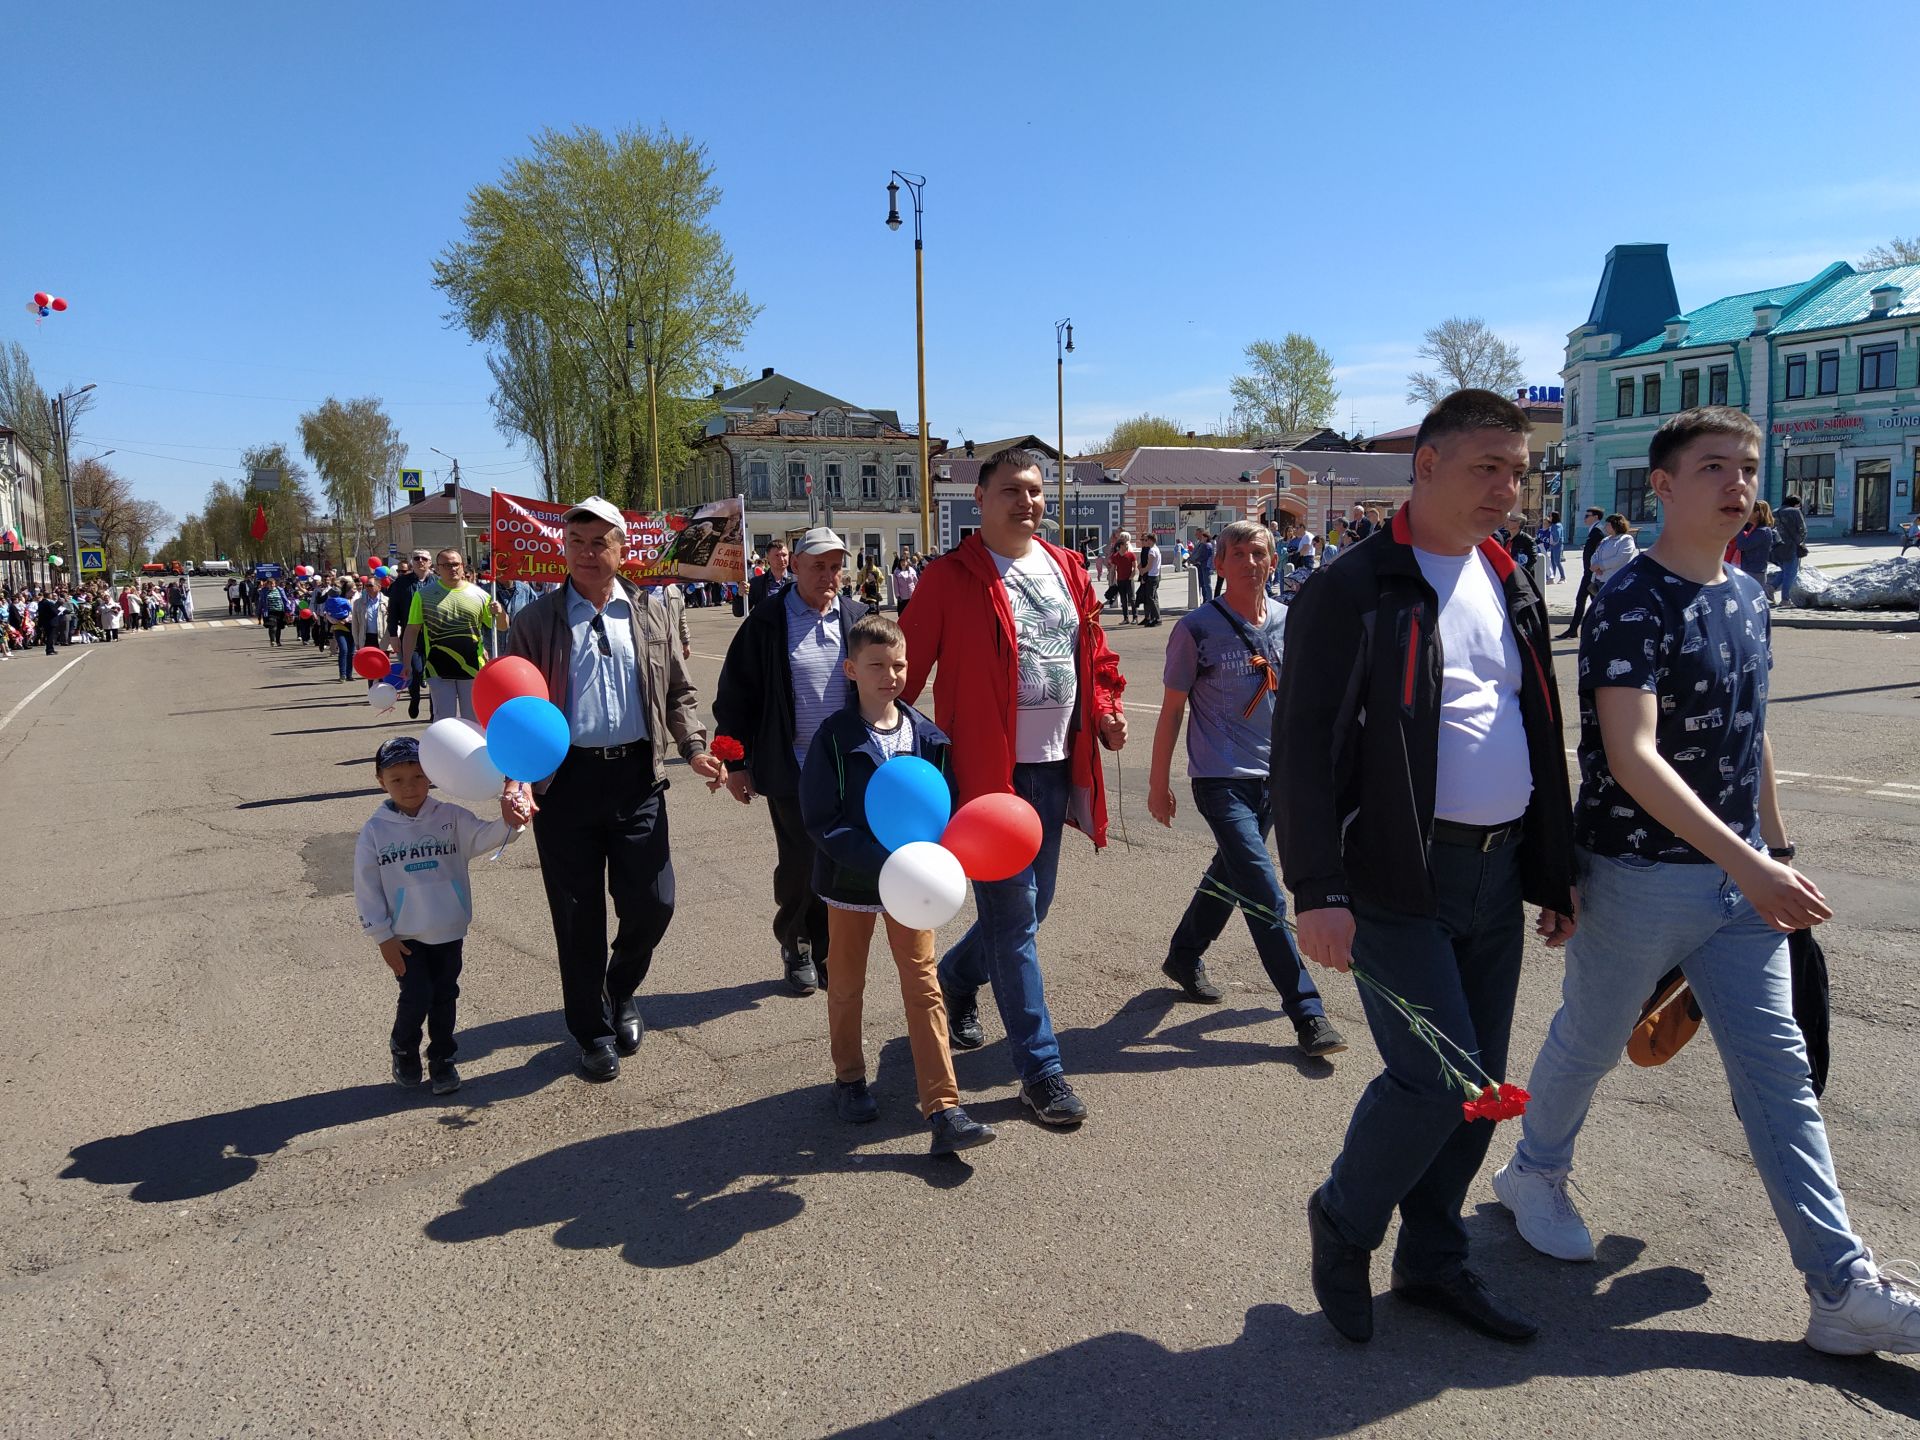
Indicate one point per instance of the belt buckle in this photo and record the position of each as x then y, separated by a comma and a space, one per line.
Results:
1495, 838
614, 752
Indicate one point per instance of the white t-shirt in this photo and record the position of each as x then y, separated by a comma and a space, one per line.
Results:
1484, 777
1150, 562
1047, 632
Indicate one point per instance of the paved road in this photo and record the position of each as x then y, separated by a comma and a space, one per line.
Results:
220, 1219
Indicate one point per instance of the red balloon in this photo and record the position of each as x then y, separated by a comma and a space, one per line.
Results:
40, 297
57, 303
994, 837
507, 678
370, 662
373, 562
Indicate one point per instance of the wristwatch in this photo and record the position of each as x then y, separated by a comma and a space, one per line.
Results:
1783, 852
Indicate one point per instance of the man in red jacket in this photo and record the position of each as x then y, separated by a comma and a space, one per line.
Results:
1028, 690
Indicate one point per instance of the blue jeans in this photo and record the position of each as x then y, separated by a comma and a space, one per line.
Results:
1205, 574
1002, 947
1241, 814
1639, 919
1408, 1144
343, 652
1789, 572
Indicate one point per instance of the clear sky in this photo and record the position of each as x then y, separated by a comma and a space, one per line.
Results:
242, 201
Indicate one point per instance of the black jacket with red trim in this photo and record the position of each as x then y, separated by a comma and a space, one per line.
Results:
1356, 734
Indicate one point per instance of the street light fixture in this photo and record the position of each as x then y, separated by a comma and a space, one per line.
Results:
1062, 328
916, 184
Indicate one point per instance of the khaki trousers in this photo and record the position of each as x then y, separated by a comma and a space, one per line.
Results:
849, 933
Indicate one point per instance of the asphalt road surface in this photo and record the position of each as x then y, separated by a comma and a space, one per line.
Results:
220, 1218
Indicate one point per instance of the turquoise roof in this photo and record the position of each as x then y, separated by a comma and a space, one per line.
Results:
1846, 300
1838, 295
1725, 320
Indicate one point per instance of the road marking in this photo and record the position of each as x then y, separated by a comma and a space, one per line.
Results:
8, 719
1897, 795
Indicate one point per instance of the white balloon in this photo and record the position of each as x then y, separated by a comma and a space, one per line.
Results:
453, 752
382, 696
922, 885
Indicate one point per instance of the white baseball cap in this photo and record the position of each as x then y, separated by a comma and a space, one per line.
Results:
595, 507
819, 541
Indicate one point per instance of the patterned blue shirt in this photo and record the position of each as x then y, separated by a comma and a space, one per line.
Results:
604, 706
815, 648
1704, 651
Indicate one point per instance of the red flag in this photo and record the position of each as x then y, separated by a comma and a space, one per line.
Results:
259, 530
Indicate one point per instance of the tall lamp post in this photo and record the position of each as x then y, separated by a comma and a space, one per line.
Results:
63, 425
916, 184
653, 406
1060, 353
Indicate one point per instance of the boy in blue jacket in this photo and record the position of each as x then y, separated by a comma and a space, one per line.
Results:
849, 746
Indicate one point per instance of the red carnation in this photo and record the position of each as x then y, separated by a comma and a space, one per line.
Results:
1510, 1102
726, 748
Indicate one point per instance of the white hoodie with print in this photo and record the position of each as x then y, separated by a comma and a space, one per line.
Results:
410, 871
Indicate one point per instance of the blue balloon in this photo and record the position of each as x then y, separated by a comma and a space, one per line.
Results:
527, 738
397, 678
907, 800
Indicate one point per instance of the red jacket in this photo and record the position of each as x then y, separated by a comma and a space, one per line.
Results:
960, 619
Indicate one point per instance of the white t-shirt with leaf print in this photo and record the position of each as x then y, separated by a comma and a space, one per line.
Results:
1047, 630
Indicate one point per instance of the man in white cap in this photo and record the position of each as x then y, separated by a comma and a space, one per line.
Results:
613, 664
781, 678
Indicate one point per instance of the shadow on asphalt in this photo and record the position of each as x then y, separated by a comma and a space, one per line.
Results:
312, 799
340, 729
1288, 1375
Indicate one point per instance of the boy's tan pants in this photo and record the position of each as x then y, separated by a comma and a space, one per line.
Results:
849, 933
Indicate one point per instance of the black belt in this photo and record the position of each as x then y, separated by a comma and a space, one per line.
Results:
632, 750
1483, 838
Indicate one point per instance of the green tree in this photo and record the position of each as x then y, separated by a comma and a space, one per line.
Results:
1468, 356
1895, 252
1145, 429
586, 241
357, 452
1290, 387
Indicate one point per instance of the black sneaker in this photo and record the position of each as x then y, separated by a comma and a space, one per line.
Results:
446, 1078
963, 1020
413, 703
853, 1102
954, 1129
1053, 1102
406, 1069
1192, 980
1318, 1037
802, 978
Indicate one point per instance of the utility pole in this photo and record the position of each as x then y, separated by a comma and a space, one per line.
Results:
459, 514
62, 425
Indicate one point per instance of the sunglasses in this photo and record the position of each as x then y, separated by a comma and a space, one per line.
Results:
599, 627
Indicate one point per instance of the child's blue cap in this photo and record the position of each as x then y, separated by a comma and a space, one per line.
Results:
401, 750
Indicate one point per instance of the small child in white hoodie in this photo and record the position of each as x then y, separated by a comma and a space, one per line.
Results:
410, 881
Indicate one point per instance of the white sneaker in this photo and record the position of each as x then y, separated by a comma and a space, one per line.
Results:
1881, 1312
1543, 1212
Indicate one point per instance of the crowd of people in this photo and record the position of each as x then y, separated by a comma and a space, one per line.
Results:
53, 616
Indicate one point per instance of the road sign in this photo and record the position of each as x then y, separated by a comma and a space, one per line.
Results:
93, 561
413, 479
266, 571
266, 482
1553, 485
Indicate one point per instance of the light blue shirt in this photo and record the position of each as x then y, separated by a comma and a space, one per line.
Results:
604, 705
815, 648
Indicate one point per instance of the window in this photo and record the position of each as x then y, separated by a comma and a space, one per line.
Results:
1877, 364
1161, 520
1573, 404
1623, 405
1829, 373
869, 482
903, 482
1689, 389
834, 489
1650, 395
759, 480
1717, 385
796, 479
1631, 497
1811, 478
1797, 378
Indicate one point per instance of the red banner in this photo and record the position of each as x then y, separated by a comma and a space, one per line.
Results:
705, 543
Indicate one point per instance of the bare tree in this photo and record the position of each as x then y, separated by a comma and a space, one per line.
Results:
1469, 356
1895, 252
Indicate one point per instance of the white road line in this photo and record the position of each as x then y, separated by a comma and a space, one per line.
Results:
9, 717
1897, 795
1901, 785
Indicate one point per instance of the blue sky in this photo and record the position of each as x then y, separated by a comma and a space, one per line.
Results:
242, 202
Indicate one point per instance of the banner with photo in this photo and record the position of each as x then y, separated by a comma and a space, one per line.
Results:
707, 542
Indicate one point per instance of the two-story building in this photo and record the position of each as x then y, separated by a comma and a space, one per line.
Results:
1828, 367
23, 511
802, 457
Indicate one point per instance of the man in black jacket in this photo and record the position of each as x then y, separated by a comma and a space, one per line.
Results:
1420, 795
781, 678
1596, 532
773, 579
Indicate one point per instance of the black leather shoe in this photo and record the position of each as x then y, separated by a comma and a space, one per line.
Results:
853, 1102
1318, 1037
963, 1020
954, 1129
600, 1062
802, 978
1341, 1282
1572, 632
1467, 1300
1192, 980
628, 1028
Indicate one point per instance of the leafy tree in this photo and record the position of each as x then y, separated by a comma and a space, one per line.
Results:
357, 451
1469, 356
1895, 252
1290, 388
1146, 429
586, 238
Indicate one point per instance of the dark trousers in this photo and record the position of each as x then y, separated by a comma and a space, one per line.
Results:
1580, 598
1150, 600
428, 991
799, 915
1408, 1146
1122, 591
47, 633
276, 622
602, 826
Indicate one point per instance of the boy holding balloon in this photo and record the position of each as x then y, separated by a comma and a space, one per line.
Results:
887, 761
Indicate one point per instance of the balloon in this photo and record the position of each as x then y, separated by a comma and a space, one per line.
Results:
527, 738
58, 303
41, 297
381, 572
305, 613
396, 677
907, 800
505, 679
994, 837
922, 884
44, 312
382, 696
453, 752
370, 662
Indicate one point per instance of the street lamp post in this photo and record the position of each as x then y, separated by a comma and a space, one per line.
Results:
459, 514
1060, 353
916, 185
653, 406
63, 423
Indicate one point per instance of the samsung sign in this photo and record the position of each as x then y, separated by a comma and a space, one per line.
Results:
1540, 395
